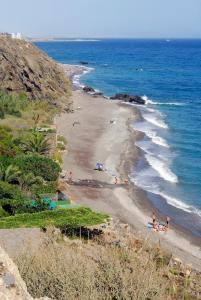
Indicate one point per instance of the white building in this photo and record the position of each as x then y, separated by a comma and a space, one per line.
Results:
17, 35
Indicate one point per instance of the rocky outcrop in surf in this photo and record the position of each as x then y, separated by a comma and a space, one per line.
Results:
129, 98
88, 89
25, 68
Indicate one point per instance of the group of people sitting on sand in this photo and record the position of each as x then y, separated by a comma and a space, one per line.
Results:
160, 226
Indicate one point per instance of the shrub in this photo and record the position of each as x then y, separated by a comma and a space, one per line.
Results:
10, 174
9, 191
7, 143
47, 188
40, 166
35, 142
11, 197
3, 213
6, 161
58, 157
61, 138
61, 146
83, 272
65, 218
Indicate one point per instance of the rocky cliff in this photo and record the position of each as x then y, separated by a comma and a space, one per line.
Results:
24, 68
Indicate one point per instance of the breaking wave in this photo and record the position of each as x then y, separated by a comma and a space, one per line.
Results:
162, 169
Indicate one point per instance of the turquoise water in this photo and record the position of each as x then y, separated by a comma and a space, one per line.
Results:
168, 73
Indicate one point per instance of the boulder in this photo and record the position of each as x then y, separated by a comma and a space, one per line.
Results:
88, 89
129, 98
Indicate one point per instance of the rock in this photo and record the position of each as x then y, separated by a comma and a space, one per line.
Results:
84, 63
25, 68
88, 89
129, 98
12, 286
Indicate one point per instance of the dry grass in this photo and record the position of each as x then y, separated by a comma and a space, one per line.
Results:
104, 269
40, 110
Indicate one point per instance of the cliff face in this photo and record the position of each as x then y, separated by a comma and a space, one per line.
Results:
24, 68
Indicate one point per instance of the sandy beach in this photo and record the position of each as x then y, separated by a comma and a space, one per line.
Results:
93, 138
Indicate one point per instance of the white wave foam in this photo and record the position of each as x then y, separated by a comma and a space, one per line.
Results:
157, 139
153, 119
164, 103
154, 188
161, 168
179, 204
149, 101
76, 78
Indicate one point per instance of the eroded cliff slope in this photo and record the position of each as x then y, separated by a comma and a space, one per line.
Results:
25, 68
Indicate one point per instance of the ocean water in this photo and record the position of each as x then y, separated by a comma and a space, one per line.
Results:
168, 75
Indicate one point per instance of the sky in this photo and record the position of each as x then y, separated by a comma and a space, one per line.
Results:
102, 18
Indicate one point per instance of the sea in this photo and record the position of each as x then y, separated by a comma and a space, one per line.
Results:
167, 73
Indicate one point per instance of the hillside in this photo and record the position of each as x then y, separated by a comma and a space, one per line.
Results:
24, 68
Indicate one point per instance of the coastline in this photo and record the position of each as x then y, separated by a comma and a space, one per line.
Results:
129, 203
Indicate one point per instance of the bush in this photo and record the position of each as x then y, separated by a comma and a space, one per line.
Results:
39, 166
6, 161
28, 208
3, 213
9, 191
48, 188
61, 146
61, 138
7, 143
11, 197
65, 218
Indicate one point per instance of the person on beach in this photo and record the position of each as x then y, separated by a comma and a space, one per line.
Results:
70, 178
167, 222
116, 180
154, 221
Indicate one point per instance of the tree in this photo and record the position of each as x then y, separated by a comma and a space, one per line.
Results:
35, 142
10, 173
39, 165
28, 180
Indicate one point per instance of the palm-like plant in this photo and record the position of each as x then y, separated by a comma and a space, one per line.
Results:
36, 142
28, 180
9, 174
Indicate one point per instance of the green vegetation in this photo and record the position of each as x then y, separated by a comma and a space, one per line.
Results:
8, 147
59, 218
30, 162
40, 166
12, 104
27, 168
35, 142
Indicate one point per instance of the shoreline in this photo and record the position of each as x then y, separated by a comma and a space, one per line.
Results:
129, 204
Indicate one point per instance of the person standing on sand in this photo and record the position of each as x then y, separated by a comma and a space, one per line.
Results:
115, 180
167, 222
154, 220
70, 176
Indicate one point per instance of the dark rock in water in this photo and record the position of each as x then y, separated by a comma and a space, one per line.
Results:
84, 63
129, 98
88, 89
